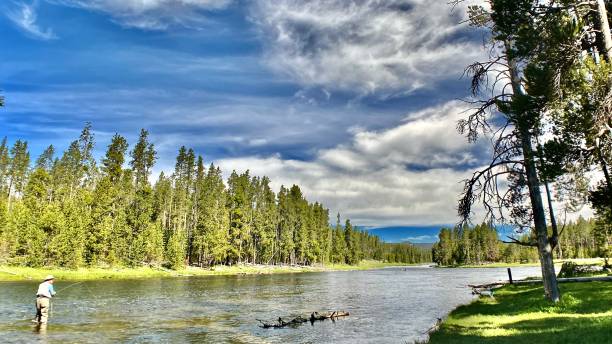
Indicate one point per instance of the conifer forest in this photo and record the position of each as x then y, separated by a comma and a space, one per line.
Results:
67, 209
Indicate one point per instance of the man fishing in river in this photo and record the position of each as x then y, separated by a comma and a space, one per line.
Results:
43, 299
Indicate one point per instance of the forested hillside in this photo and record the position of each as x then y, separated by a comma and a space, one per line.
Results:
482, 244
73, 211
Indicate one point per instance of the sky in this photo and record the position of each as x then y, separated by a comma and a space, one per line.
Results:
355, 101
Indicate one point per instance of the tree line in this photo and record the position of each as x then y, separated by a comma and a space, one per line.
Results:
481, 244
72, 210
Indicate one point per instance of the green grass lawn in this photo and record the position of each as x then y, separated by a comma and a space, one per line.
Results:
519, 314
17, 273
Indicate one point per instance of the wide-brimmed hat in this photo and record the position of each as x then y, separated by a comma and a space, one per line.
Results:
49, 277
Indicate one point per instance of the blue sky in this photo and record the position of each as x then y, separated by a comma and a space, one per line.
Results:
355, 101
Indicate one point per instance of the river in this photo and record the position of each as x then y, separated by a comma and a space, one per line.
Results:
394, 305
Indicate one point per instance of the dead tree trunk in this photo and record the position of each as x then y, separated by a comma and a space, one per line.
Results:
605, 29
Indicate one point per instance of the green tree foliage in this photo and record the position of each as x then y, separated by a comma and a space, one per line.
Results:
339, 247
112, 164
548, 88
18, 167
5, 163
480, 244
68, 212
46, 159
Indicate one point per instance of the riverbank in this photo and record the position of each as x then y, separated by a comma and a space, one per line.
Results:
519, 314
17, 273
558, 262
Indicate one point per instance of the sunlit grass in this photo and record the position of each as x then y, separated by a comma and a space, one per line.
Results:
16, 273
520, 314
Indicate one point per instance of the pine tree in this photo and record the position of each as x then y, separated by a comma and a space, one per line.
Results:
18, 168
46, 159
147, 243
339, 243
286, 227
143, 158
5, 163
112, 164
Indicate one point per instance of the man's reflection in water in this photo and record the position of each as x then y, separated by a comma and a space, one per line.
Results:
41, 329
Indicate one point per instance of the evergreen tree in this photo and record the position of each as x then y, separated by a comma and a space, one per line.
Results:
18, 168
46, 159
339, 243
112, 164
5, 163
67, 213
143, 158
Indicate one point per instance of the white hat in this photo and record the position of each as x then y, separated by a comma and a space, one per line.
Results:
49, 277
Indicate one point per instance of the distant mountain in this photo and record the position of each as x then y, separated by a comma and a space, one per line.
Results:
413, 234
427, 245
423, 234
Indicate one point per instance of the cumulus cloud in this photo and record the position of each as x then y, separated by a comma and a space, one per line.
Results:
25, 17
366, 46
369, 179
151, 14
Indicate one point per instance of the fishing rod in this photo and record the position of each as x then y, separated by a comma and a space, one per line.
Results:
70, 286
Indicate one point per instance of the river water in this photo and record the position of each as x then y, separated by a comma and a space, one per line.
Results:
395, 305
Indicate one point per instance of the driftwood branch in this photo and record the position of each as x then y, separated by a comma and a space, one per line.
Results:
282, 323
315, 316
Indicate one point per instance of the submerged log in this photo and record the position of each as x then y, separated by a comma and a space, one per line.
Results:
282, 323
315, 316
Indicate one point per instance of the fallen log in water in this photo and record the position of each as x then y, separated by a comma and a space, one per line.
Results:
486, 286
315, 316
570, 280
282, 323
327, 315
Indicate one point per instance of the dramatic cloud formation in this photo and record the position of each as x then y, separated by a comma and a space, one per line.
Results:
369, 181
24, 16
151, 14
366, 46
353, 100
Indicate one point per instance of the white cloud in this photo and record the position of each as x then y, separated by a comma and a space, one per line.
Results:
368, 180
25, 17
151, 14
368, 46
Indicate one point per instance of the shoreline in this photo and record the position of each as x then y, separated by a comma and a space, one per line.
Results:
557, 262
19, 273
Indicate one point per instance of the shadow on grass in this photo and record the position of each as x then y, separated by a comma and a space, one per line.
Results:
576, 319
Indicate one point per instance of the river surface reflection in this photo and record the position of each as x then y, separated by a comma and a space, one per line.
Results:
395, 305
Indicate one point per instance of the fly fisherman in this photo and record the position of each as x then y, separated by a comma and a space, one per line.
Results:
43, 299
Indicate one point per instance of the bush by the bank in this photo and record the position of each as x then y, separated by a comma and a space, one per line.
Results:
571, 269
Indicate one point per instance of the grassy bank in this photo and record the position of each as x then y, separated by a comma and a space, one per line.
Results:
582, 261
16, 273
519, 314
